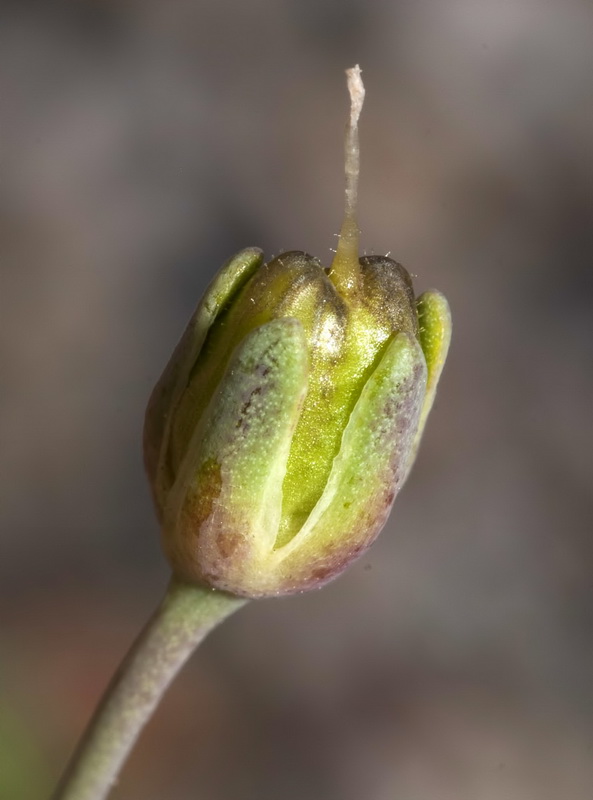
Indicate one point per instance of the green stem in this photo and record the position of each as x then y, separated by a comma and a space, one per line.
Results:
186, 615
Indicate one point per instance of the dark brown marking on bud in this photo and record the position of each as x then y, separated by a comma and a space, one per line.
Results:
228, 542
209, 481
243, 422
322, 573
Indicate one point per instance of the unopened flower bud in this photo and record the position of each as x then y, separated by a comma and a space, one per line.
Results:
290, 413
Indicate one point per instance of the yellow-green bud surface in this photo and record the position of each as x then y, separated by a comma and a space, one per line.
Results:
290, 414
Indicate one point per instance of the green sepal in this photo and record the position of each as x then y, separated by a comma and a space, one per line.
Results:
223, 512
170, 387
371, 466
434, 319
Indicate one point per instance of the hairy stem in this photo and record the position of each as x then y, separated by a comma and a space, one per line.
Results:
186, 615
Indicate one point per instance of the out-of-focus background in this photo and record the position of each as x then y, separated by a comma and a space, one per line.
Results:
142, 143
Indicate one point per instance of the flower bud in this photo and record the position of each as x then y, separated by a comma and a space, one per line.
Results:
291, 410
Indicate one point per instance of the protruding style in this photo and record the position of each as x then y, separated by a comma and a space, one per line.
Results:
345, 271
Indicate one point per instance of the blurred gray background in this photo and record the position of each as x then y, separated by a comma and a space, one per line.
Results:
142, 143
